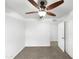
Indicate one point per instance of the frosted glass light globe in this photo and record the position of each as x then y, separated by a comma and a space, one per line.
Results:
42, 13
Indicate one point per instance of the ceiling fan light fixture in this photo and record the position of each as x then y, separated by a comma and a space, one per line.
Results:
42, 13
43, 9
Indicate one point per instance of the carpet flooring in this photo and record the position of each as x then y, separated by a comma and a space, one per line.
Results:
42, 53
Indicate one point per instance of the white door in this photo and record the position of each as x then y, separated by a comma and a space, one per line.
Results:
61, 36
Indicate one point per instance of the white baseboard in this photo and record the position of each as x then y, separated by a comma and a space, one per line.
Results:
18, 52
12, 57
38, 45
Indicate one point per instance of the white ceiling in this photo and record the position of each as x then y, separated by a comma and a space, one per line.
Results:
23, 6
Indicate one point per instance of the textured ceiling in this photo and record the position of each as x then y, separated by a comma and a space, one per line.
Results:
22, 6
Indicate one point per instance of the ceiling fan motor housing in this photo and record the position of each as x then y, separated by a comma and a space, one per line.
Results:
42, 2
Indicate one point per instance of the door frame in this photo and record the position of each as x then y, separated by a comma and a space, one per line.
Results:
64, 36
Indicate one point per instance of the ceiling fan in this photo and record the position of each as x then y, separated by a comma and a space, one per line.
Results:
43, 9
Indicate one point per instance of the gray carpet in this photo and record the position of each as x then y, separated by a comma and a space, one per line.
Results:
42, 53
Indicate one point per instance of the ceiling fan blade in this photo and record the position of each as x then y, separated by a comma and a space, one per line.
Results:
54, 5
33, 3
51, 14
31, 12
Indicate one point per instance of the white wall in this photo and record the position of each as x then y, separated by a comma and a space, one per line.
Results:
37, 34
15, 36
54, 32
40, 32
69, 38
69, 35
